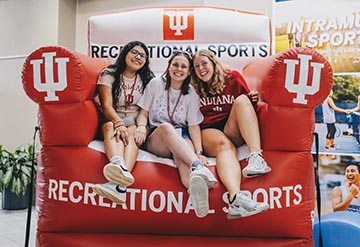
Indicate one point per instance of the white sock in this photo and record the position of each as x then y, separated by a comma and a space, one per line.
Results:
117, 160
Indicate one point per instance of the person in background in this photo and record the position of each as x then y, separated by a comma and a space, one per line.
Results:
171, 106
291, 40
347, 196
298, 38
120, 86
355, 117
329, 108
229, 121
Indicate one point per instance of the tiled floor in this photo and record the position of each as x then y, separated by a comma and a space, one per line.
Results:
13, 227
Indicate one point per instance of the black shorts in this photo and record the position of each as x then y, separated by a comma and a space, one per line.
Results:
219, 125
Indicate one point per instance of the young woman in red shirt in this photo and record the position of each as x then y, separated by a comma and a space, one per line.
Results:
229, 121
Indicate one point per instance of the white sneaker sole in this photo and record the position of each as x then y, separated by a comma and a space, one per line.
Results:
255, 173
207, 175
247, 214
108, 193
115, 174
199, 194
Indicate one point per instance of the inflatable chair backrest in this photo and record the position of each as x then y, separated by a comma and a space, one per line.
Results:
236, 37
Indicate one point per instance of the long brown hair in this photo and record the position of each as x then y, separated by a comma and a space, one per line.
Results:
119, 67
166, 76
217, 84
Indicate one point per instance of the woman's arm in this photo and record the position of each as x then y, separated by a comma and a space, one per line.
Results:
106, 100
195, 135
331, 103
357, 107
141, 130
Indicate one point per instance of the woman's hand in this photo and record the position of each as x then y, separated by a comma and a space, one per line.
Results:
203, 159
120, 133
140, 135
254, 96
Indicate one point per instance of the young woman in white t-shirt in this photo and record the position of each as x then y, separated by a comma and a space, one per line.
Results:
120, 86
171, 107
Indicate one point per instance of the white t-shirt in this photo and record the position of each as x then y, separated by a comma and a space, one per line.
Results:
155, 98
355, 203
132, 92
328, 112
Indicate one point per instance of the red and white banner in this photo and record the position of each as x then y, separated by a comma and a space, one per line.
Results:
234, 36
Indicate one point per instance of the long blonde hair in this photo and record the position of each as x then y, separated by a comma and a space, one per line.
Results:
217, 84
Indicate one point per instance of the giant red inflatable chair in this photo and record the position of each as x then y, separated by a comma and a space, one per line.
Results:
158, 211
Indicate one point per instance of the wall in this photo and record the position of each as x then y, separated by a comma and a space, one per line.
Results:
67, 23
26, 25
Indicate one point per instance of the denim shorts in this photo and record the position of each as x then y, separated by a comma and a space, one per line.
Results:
184, 132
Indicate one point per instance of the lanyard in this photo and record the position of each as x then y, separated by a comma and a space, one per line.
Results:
128, 99
168, 106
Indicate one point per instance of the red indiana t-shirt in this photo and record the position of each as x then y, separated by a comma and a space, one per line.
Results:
217, 108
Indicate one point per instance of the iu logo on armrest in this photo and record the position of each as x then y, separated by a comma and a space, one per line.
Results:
50, 86
302, 87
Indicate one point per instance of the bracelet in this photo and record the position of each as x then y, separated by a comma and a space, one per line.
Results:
115, 123
201, 152
141, 125
118, 126
118, 123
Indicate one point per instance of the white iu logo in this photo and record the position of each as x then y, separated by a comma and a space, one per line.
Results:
50, 86
178, 21
302, 88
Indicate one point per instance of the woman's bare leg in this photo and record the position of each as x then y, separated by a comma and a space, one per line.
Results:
216, 144
242, 125
131, 150
166, 142
111, 146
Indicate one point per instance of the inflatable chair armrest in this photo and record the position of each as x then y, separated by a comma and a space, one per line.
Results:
57, 75
298, 77
290, 85
63, 83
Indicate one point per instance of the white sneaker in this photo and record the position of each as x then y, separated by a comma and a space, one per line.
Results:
205, 173
118, 174
256, 166
244, 206
199, 195
114, 192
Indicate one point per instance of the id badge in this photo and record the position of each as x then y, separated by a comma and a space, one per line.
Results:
179, 131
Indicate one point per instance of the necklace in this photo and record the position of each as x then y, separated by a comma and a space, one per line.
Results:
171, 115
128, 99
